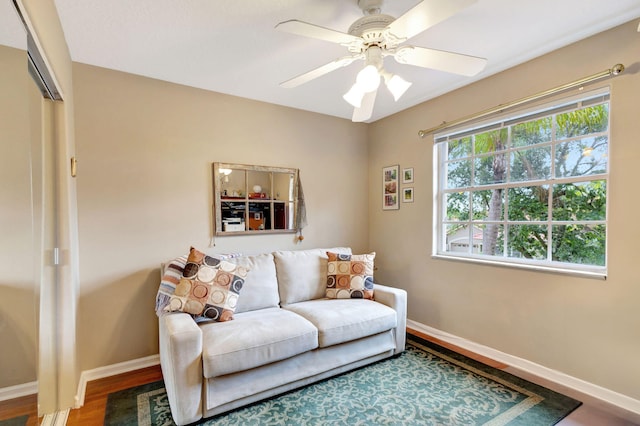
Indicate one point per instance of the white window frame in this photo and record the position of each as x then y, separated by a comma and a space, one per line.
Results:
564, 104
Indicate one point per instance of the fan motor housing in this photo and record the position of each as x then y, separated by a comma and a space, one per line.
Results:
371, 28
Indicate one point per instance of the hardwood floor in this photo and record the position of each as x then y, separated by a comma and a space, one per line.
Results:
23, 406
472, 355
93, 411
95, 402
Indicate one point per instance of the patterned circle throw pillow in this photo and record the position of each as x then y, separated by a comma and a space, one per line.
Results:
209, 287
350, 276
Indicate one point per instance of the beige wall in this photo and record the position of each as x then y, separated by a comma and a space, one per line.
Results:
17, 279
586, 328
145, 150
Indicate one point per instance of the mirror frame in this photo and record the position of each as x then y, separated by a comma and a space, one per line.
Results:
218, 197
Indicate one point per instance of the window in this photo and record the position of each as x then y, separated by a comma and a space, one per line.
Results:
527, 189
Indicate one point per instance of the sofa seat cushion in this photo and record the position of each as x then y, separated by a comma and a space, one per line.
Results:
253, 339
343, 320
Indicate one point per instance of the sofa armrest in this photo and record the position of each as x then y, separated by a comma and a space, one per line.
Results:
395, 298
181, 362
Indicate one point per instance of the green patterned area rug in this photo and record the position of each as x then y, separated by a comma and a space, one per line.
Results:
426, 385
15, 421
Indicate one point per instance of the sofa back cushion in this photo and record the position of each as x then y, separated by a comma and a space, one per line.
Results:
302, 274
260, 289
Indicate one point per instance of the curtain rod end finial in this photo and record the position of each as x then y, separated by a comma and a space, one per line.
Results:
617, 69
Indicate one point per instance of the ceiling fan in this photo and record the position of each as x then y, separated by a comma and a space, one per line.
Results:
375, 36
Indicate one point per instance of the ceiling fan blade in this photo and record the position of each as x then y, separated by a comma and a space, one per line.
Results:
320, 71
425, 15
314, 31
366, 108
440, 60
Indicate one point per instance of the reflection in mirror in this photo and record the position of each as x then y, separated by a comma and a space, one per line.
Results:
254, 198
18, 296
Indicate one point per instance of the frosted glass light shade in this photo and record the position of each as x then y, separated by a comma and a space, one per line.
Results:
368, 79
397, 86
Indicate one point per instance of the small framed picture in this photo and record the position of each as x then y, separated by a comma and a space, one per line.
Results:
407, 175
390, 188
407, 195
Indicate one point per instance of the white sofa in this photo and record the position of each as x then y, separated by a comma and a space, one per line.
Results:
285, 334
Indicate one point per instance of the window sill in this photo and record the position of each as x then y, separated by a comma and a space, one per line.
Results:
599, 275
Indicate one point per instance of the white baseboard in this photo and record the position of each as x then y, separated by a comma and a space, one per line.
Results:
614, 399
18, 391
112, 370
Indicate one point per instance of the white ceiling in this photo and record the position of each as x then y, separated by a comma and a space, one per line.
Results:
231, 46
12, 32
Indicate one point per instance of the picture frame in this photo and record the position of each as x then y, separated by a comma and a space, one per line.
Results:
390, 187
407, 175
407, 195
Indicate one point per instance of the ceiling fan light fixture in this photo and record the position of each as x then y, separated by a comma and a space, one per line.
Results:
368, 79
375, 36
396, 85
354, 96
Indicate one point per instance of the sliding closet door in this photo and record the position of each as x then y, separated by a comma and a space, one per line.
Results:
46, 256
18, 294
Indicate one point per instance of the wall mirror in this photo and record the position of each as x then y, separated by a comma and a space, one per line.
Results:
254, 199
